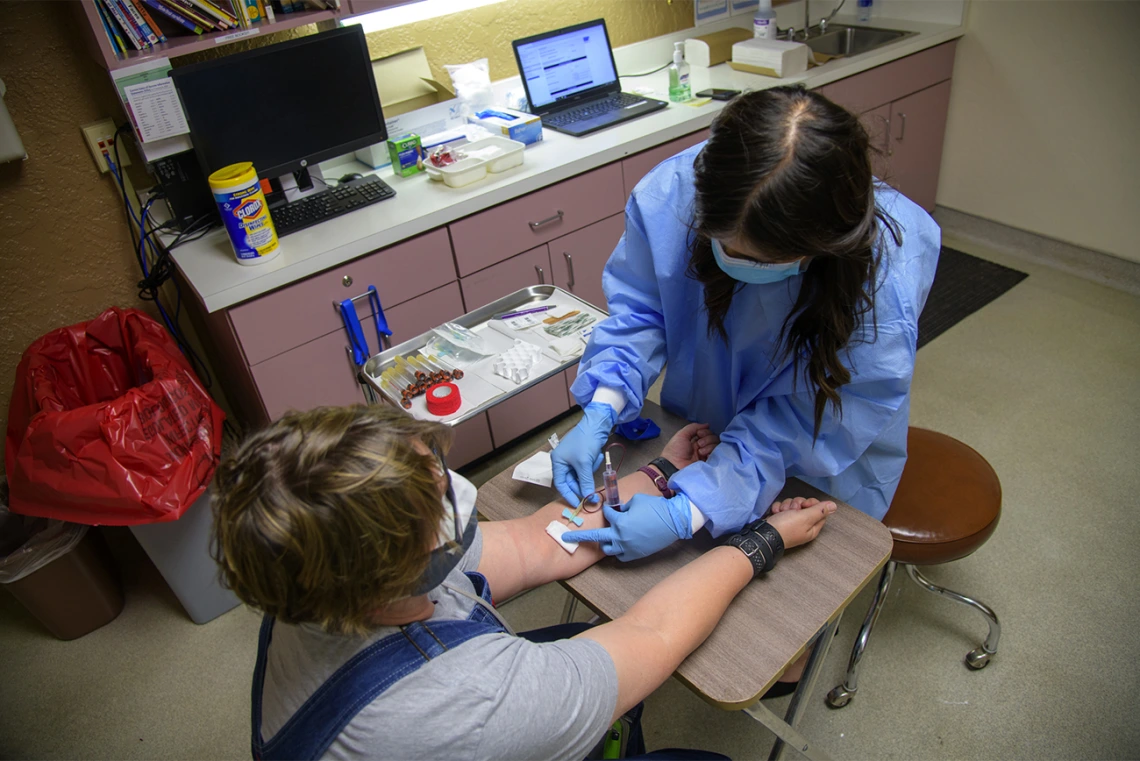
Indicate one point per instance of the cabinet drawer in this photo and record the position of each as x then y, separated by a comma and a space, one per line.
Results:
522, 271
491, 236
530, 409
472, 441
579, 258
315, 374
420, 314
276, 323
637, 166
320, 372
894, 80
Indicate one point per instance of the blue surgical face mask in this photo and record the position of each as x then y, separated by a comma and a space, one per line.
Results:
456, 533
748, 271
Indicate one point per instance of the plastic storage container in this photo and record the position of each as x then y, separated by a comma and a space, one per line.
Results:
181, 551
490, 154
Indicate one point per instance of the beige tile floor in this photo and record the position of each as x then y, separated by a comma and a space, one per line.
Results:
1044, 382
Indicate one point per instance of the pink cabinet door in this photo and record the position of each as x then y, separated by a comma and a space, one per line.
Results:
877, 122
522, 271
321, 373
570, 375
497, 234
891, 81
579, 258
312, 375
530, 409
640, 164
289, 317
472, 441
918, 126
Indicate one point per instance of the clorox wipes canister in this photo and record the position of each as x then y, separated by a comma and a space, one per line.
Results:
242, 205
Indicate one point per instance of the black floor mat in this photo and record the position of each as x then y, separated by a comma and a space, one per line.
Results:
962, 285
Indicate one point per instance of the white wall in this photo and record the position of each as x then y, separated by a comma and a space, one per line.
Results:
1044, 128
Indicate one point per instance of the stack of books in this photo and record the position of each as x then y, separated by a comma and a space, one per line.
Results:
142, 24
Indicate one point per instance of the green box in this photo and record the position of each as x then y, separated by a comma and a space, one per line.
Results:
407, 155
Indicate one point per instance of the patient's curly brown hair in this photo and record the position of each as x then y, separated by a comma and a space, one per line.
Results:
325, 516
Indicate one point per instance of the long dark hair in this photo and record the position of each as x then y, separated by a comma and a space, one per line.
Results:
789, 172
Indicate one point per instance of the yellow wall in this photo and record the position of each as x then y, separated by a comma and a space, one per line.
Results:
1044, 128
487, 32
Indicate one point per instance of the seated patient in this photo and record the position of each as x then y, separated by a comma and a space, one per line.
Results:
344, 526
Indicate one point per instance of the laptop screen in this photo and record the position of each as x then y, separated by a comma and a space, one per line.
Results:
565, 64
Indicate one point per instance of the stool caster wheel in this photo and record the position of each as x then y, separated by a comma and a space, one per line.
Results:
839, 697
978, 658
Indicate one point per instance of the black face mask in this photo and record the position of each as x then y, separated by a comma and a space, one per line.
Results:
444, 559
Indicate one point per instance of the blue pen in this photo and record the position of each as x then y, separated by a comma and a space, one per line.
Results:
521, 312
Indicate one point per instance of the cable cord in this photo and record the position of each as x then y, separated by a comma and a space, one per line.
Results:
157, 267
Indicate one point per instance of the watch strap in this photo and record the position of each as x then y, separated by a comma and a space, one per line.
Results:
659, 481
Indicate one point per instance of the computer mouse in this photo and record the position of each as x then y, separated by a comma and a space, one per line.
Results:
349, 177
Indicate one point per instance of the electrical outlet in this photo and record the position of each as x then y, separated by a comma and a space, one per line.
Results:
101, 134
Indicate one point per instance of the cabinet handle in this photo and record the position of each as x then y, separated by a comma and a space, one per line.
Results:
902, 130
541, 275
569, 268
556, 218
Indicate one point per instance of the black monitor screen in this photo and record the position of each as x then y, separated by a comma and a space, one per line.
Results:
284, 106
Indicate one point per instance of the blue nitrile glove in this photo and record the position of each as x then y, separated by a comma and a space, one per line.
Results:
649, 524
579, 454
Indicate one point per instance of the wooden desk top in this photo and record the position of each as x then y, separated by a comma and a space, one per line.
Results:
770, 623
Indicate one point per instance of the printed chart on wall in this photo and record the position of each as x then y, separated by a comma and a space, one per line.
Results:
152, 104
707, 11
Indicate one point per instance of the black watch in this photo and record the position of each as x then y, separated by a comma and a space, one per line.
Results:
761, 543
667, 468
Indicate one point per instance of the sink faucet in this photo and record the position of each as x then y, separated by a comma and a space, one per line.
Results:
822, 22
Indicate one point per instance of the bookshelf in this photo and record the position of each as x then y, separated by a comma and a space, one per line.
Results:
186, 44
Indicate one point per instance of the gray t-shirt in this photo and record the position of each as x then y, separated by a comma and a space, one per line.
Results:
493, 697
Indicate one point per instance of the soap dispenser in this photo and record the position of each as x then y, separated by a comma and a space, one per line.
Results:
679, 88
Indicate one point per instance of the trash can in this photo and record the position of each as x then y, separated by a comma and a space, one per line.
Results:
181, 551
61, 572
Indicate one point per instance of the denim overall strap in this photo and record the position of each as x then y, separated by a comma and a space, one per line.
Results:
316, 724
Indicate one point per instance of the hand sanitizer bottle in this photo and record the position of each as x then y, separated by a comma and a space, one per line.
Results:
862, 12
679, 89
764, 22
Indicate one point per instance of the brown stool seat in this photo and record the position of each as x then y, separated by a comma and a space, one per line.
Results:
947, 504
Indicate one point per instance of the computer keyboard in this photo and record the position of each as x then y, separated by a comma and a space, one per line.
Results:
590, 110
323, 206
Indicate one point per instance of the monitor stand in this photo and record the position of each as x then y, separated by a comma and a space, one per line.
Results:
296, 185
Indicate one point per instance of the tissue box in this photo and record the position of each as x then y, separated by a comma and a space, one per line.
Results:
516, 125
773, 58
406, 154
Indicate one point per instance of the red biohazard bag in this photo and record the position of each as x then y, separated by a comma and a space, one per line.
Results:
108, 424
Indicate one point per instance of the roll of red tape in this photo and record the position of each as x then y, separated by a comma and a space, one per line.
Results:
443, 399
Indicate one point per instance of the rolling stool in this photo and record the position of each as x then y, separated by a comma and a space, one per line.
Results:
947, 505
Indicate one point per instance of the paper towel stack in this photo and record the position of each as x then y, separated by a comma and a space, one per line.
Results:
775, 58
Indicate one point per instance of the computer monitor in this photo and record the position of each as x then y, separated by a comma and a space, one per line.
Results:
284, 107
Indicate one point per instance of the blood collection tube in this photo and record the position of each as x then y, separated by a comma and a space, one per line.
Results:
610, 485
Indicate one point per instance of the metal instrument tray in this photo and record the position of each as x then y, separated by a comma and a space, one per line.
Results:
475, 320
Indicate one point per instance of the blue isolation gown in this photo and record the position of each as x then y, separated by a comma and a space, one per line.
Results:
743, 389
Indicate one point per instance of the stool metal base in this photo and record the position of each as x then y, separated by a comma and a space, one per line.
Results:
976, 659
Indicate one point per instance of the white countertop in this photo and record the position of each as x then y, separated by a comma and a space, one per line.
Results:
420, 205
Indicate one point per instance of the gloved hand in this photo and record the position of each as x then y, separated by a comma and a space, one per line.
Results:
579, 454
648, 525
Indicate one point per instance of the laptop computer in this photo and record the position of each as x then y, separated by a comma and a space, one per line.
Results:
571, 80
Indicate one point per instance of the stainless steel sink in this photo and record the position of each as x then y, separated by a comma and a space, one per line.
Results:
843, 40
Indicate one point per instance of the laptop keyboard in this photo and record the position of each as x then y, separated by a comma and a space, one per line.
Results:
592, 109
